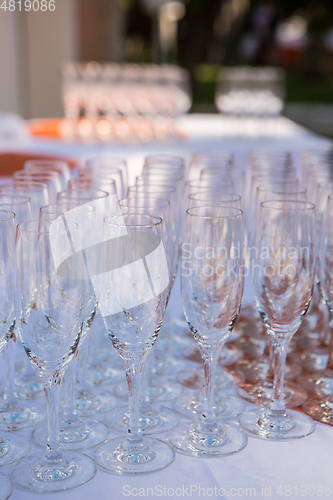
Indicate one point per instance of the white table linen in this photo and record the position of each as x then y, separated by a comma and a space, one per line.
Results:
296, 469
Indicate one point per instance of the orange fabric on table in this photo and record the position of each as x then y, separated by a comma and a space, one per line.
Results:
10, 162
48, 127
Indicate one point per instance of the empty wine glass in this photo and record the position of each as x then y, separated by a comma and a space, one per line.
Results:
49, 165
14, 414
283, 276
321, 407
212, 283
76, 433
133, 300
49, 298
13, 447
153, 418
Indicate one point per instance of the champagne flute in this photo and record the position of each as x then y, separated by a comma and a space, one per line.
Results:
321, 407
14, 414
13, 447
50, 272
76, 433
134, 291
283, 276
212, 284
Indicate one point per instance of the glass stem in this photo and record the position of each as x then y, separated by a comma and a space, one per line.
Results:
51, 389
270, 371
210, 358
133, 370
10, 395
144, 394
69, 409
279, 355
83, 364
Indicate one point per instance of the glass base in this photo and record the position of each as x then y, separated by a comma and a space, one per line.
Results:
153, 419
255, 370
191, 405
21, 416
159, 391
262, 394
74, 435
219, 441
118, 456
34, 474
290, 424
6, 487
13, 447
320, 409
91, 403
320, 382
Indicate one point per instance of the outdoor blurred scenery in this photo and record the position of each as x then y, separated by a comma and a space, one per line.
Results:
202, 36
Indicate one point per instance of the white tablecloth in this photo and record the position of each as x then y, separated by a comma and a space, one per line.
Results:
295, 469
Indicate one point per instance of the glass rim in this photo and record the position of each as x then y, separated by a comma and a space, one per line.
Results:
26, 174
101, 169
46, 161
25, 199
159, 220
99, 176
307, 205
68, 191
228, 183
170, 189
77, 181
26, 185
11, 217
173, 173
273, 175
90, 208
233, 196
232, 172
22, 225
296, 190
238, 212
164, 201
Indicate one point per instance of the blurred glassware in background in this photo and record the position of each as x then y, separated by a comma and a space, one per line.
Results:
121, 102
246, 91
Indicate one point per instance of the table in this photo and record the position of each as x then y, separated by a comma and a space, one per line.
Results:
294, 469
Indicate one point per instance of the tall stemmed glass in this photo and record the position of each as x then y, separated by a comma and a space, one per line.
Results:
13, 447
321, 407
283, 276
14, 414
76, 433
133, 300
90, 402
153, 418
50, 272
212, 284
260, 391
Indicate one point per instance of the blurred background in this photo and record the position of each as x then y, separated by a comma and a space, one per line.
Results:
200, 35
